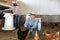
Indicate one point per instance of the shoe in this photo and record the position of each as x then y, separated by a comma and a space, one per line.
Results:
38, 31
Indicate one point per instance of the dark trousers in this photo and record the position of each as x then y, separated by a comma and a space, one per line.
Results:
17, 21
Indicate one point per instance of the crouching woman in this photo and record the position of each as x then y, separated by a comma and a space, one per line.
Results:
31, 23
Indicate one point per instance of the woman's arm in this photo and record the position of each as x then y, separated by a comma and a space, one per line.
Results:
26, 23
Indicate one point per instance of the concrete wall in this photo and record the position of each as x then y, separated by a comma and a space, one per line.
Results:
42, 7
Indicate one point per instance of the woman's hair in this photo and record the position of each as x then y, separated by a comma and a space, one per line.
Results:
15, 4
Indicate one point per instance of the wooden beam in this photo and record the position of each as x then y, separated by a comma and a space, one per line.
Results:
8, 2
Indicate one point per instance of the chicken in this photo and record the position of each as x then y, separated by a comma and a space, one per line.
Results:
22, 34
56, 36
36, 37
47, 35
50, 36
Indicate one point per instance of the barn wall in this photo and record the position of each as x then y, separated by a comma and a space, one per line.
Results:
42, 7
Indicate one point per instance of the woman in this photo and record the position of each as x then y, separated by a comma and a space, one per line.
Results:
15, 9
31, 23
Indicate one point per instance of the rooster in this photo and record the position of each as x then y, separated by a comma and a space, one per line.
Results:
50, 36
56, 36
22, 34
36, 37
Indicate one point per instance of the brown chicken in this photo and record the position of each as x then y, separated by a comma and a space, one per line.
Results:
36, 37
50, 36
56, 36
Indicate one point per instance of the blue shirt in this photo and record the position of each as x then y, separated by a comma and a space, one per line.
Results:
31, 22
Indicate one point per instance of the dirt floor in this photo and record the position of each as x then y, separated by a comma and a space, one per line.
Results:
10, 35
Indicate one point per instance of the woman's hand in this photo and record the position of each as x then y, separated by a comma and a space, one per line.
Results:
12, 14
33, 27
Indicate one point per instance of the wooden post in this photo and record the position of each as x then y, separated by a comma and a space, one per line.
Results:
16, 33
